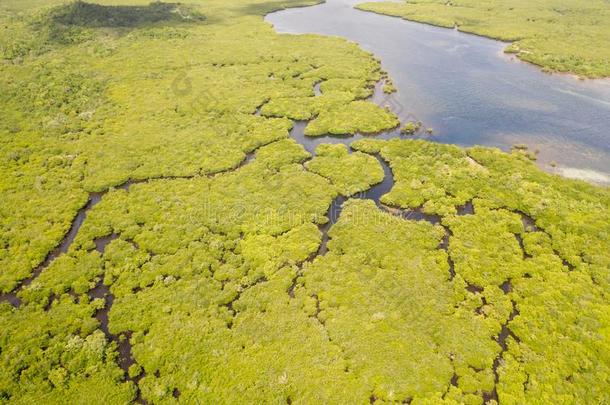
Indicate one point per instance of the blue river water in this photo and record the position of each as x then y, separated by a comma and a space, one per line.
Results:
470, 92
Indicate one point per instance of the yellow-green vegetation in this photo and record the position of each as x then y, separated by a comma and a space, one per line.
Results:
524, 150
333, 113
558, 35
164, 94
350, 173
216, 287
544, 239
58, 356
411, 128
206, 269
384, 279
214, 237
277, 154
357, 117
438, 179
389, 88
388, 83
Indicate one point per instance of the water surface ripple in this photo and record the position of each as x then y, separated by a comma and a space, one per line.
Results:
470, 92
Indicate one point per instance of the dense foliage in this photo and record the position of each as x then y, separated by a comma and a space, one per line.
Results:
218, 289
542, 239
206, 269
95, 15
559, 35
351, 173
162, 100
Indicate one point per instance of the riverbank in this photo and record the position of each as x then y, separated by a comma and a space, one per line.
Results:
171, 234
469, 92
538, 32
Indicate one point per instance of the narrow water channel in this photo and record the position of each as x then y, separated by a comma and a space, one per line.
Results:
470, 92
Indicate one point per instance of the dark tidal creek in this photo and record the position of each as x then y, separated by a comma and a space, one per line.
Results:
470, 92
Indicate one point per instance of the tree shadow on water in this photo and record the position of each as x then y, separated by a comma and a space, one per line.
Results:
91, 15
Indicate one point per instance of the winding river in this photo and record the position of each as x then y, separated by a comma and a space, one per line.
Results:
472, 93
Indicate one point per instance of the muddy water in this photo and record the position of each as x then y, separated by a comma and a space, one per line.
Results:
471, 93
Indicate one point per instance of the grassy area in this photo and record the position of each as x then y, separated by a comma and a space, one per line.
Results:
217, 286
205, 270
534, 253
165, 98
84, 14
350, 173
558, 35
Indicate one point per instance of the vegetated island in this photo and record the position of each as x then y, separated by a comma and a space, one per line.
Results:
570, 36
163, 239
